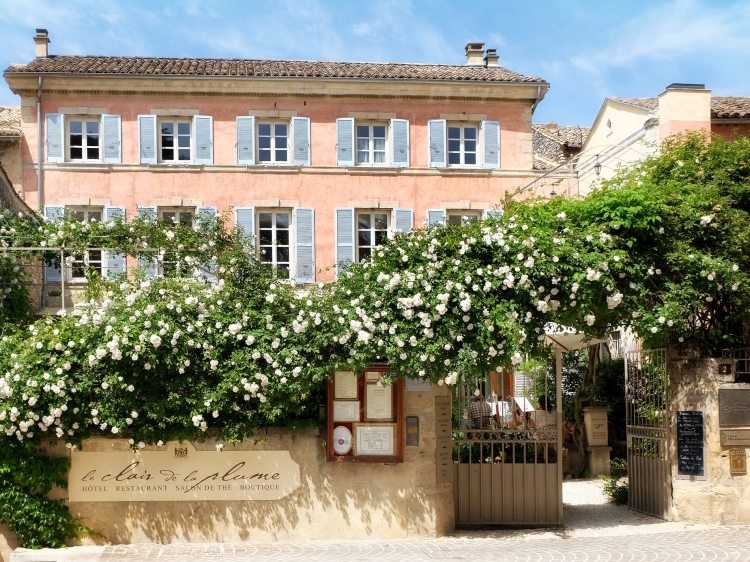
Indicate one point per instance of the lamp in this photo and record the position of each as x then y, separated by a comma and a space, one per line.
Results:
597, 166
553, 193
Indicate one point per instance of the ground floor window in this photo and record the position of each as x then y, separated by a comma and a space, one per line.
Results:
274, 240
372, 231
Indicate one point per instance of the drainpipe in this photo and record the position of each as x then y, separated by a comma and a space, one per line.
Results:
538, 98
39, 145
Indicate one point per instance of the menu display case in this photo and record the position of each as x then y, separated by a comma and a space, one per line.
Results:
365, 417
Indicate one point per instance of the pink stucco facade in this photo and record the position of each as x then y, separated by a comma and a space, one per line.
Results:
322, 185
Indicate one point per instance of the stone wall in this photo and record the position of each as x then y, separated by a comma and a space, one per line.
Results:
334, 500
720, 498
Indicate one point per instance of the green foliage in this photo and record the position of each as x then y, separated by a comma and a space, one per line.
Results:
610, 390
616, 486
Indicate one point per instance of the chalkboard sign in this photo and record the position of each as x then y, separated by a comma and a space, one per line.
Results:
690, 461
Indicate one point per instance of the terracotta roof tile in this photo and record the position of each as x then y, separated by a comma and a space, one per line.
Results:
728, 107
645, 103
10, 120
554, 144
265, 68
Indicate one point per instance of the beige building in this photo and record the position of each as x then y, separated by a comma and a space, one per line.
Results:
11, 170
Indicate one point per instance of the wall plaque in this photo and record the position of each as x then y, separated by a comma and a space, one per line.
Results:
180, 473
375, 440
737, 462
345, 410
735, 437
345, 385
734, 406
690, 455
412, 431
443, 440
342, 440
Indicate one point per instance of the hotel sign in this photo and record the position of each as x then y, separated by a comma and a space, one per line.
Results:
180, 473
734, 406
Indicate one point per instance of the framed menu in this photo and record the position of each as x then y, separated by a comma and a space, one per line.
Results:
378, 402
365, 418
345, 385
346, 410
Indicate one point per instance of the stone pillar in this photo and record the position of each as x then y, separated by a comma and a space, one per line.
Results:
597, 437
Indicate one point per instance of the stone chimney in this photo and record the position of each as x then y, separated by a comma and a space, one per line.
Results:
42, 43
684, 107
491, 58
474, 54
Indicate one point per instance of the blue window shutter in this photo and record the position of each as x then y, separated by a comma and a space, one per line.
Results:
246, 140
52, 273
400, 143
301, 141
403, 220
54, 128
435, 216
115, 262
436, 143
345, 142
203, 126
111, 139
304, 245
147, 139
491, 144
244, 220
207, 215
147, 261
344, 238
493, 214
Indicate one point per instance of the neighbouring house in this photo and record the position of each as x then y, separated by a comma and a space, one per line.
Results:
556, 144
321, 161
629, 129
10, 150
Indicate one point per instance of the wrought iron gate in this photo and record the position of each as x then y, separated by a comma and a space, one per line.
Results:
647, 398
507, 469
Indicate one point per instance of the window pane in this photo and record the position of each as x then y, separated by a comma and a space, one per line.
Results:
78, 270
282, 237
264, 142
95, 255
183, 141
363, 144
186, 218
281, 155
363, 131
167, 141
363, 157
283, 272
471, 218
378, 131
470, 146
76, 153
264, 155
364, 253
379, 157
454, 145
282, 220
77, 215
470, 158
184, 154
95, 216
364, 221
167, 128
280, 129
167, 154
379, 144
265, 237
92, 140
454, 132
470, 133
264, 129
92, 127
454, 158
170, 216
282, 254
76, 140
381, 221
92, 153
364, 237
76, 127
265, 220
380, 237
454, 220
183, 128
265, 255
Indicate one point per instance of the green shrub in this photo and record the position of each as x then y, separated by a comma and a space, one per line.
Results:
616, 484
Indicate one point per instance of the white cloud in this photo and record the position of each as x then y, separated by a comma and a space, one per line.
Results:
673, 31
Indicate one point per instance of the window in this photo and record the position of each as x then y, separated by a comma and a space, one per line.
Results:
274, 240
371, 141
273, 143
84, 140
462, 145
90, 261
175, 141
170, 265
372, 231
459, 217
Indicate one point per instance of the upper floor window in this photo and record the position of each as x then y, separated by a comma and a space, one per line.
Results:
462, 217
273, 143
371, 144
372, 231
177, 215
463, 145
274, 240
84, 142
91, 260
175, 141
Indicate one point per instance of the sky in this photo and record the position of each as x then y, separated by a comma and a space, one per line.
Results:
586, 49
